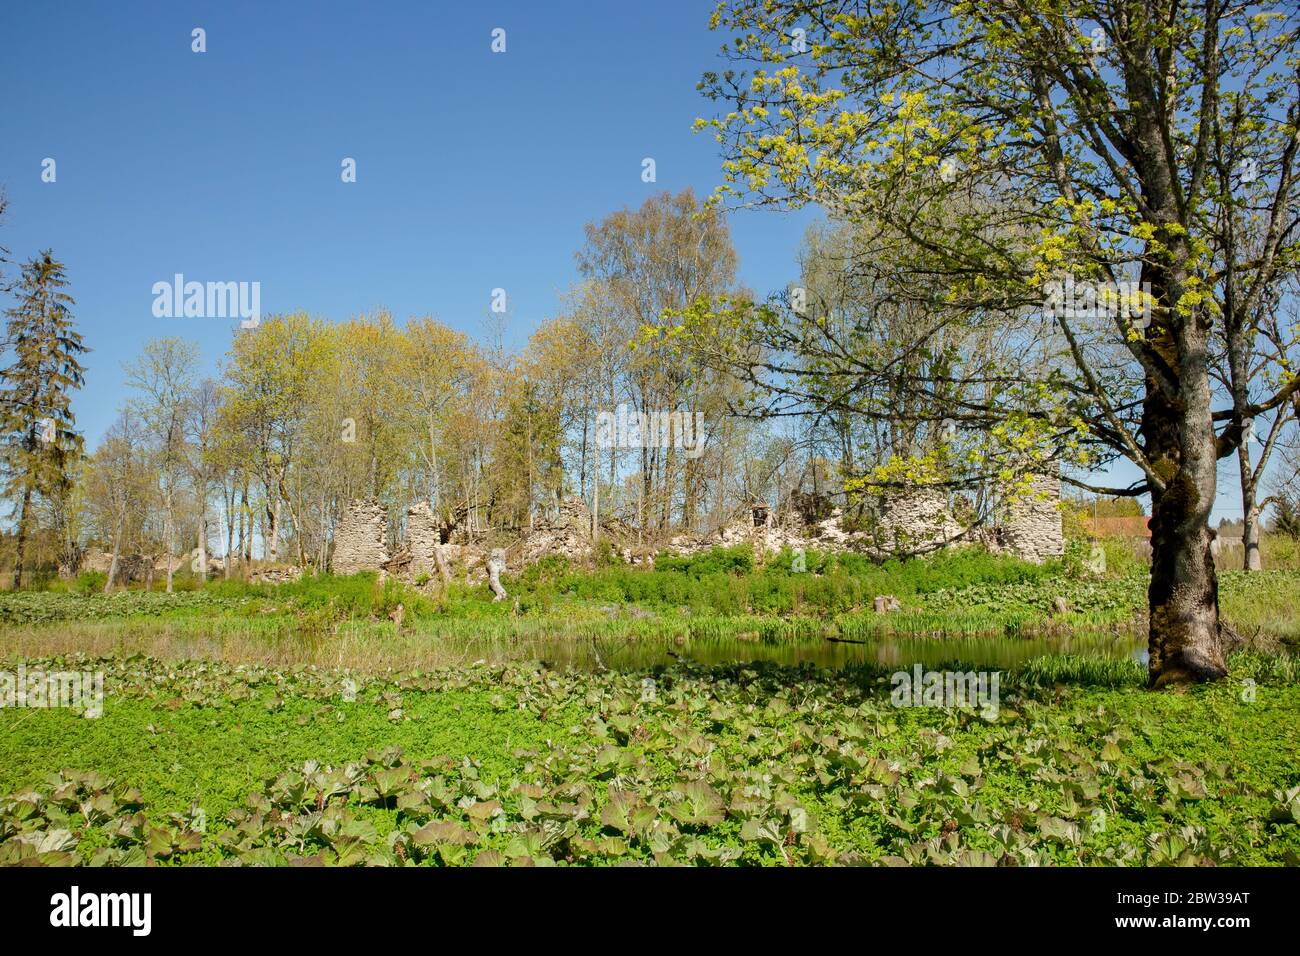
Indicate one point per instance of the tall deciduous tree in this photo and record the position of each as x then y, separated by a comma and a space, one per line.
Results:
115, 485
164, 380
644, 263
1080, 141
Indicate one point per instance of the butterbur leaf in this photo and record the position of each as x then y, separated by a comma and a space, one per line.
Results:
389, 780
97, 808
357, 831
483, 810
188, 842
531, 845
440, 833
25, 807
761, 831
1165, 847
819, 850
158, 843
1186, 787
412, 800
1054, 828
53, 841
609, 846
617, 813
701, 806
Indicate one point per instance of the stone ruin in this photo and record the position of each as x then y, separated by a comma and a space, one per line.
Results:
1032, 527
130, 567
423, 538
903, 523
361, 539
568, 534
908, 523
274, 575
915, 522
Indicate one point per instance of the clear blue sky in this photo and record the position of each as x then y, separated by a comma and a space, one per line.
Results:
475, 170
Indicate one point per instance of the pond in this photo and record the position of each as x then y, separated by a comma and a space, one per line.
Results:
986, 652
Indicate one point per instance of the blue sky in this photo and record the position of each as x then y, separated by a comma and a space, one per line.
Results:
475, 170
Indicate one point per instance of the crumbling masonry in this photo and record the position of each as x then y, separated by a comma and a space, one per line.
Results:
1032, 527
422, 539
905, 523
361, 539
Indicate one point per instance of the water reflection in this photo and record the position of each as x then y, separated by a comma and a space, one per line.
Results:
991, 652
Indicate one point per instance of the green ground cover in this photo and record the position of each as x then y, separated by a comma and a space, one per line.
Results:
199, 762
314, 723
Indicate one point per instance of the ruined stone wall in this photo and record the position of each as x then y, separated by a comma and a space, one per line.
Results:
908, 523
422, 538
130, 567
361, 539
916, 522
1032, 528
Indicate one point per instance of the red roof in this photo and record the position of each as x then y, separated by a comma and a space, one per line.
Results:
1129, 526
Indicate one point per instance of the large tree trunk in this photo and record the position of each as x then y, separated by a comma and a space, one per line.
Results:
21, 544
1184, 642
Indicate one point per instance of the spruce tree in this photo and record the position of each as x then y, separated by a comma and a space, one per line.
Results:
38, 443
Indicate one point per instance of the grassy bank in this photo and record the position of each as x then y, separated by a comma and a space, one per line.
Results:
715, 597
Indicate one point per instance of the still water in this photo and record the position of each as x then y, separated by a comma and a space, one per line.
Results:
989, 652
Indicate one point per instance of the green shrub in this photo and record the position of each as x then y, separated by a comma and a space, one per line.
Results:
737, 560
89, 582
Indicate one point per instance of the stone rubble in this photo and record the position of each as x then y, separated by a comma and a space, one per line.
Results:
130, 567
275, 575
568, 534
